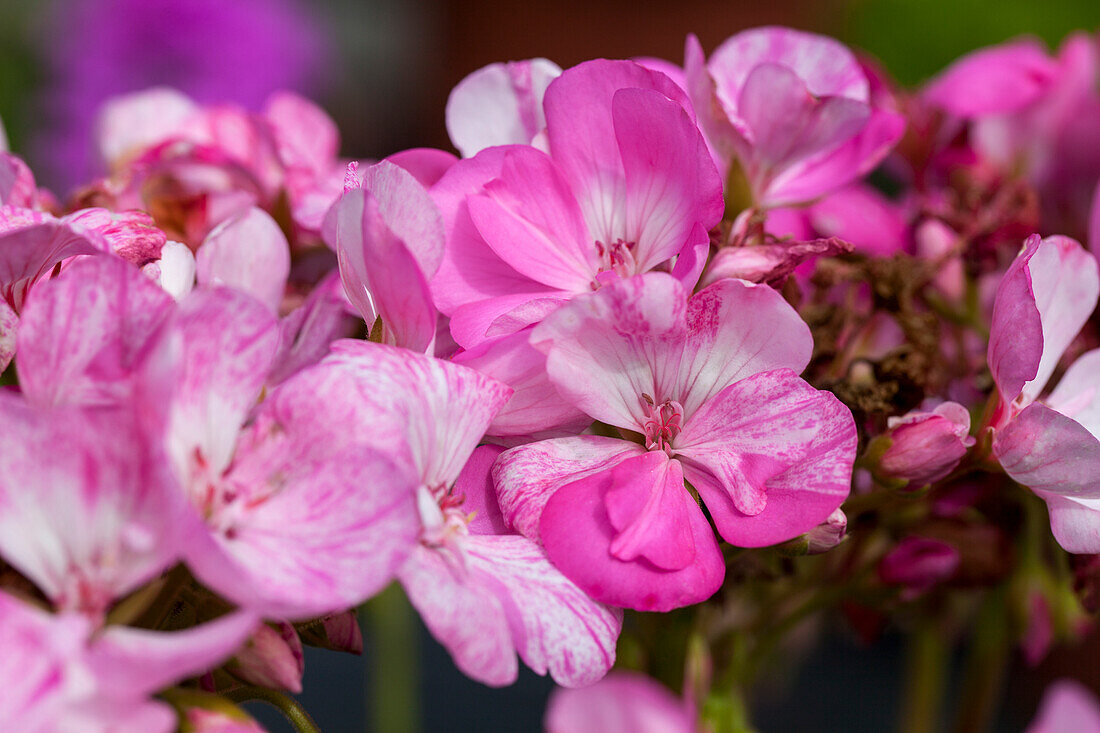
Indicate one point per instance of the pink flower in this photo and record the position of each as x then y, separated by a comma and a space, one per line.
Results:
917, 564
926, 445
710, 387
1067, 707
627, 186
794, 108
485, 593
623, 702
1049, 445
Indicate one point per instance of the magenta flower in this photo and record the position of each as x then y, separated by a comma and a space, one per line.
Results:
794, 108
623, 702
710, 387
485, 593
1051, 446
499, 104
627, 186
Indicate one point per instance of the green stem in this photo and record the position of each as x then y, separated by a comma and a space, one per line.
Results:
287, 705
394, 682
926, 667
161, 607
986, 665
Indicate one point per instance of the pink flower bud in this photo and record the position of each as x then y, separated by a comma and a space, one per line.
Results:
918, 563
271, 658
200, 720
926, 446
342, 630
828, 534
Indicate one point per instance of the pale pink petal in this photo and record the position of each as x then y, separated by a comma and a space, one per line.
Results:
601, 348
130, 661
248, 253
408, 211
464, 615
1077, 395
536, 406
9, 324
229, 341
724, 345
527, 476
30, 245
499, 104
427, 165
82, 335
555, 626
623, 702
131, 123
174, 271
1067, 707
17, 186
87, 511
440, 410
993, 80
581, 540
529, 217
771, 457
305, 136
670, 182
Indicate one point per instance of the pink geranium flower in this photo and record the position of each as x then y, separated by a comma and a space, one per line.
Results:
710, 387
794, 108
1050, 445
484, 592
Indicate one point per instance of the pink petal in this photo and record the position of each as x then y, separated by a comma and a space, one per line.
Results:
84, 334
464, 615
651, 511
306, 332
994, 80
528, 216
131, 123
408, 211
1094, 222
536, 406
580, 540
1059, 460
486, 321
771, 457
1077, 395
438, 409
499, 104
623, 702
31, 244
670, 182
9, 324
427, 165
1067, 707
479, 497
555, 627
1016, 331
723, 346
861, 215
248, 253
306, 137
600, 347
527, 476
229, 341
17, 186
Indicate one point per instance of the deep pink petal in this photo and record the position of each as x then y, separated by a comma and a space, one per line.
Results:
305, 136
1016, 331
485, 321
83, 334
651, 512
499, 104
555, 626
580, 537
624, 702
861, 215
248, 253
427, 165
771, 457
994, 80
479, 497
527, 476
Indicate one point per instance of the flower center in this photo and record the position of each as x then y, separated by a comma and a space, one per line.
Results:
616, 258
663, 423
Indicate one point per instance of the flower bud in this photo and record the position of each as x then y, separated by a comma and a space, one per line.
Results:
198, 720
343, 633
918, 563
271, 658
828, 534
925, 446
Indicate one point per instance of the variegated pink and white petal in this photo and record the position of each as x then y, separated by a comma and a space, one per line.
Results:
671, 185
536, 406
1058, 459
83, 334
607, 349
408, 211
229, 341
248, 253
555, 626
623, 702
9, 326
136, 662
528, 475
87, 509
465, 616
1077, 395
17, 185
31, 244
771, 457
499, 104
620, 560
437, 410
723, 346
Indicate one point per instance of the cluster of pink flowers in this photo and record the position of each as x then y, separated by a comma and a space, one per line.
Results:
653, 342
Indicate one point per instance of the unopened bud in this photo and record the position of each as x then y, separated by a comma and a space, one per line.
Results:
918, 563
925, 446
271, 658
828, 534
